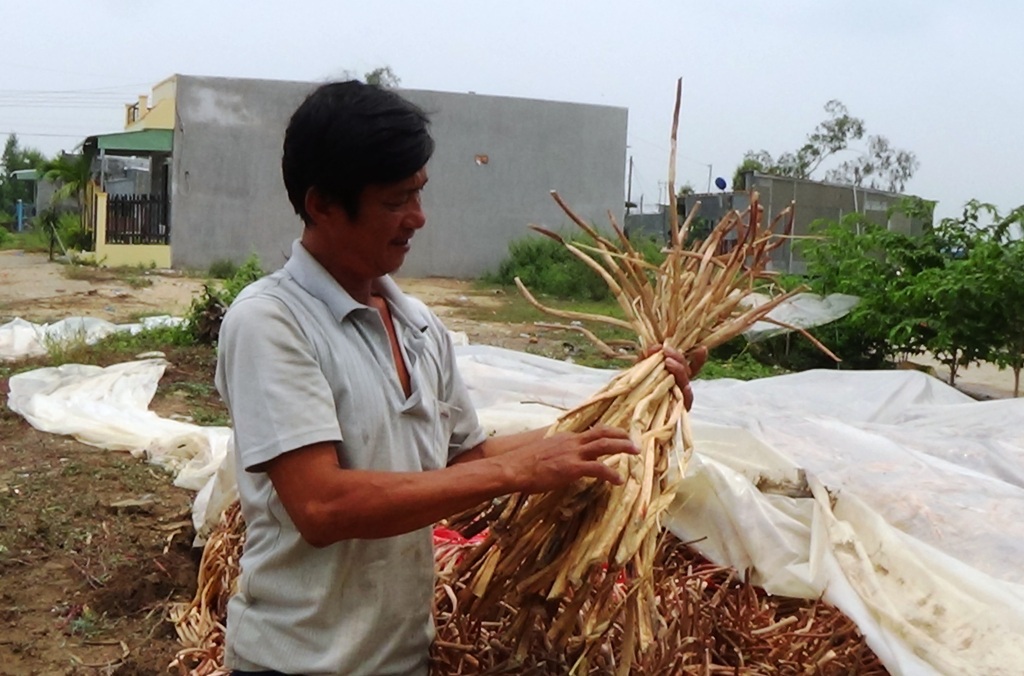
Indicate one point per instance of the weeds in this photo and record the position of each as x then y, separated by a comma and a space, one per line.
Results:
87, 270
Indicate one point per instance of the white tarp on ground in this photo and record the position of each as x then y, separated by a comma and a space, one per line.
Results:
895, 497
20, 339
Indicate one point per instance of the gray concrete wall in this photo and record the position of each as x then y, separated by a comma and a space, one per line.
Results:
814, 201
228, 199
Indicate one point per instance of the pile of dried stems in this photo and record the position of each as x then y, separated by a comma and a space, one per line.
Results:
200, 623
560, 558
713, 622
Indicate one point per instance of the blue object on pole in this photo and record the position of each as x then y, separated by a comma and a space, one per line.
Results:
19, 210
720, 183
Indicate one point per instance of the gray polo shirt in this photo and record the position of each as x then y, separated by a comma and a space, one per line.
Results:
301, 362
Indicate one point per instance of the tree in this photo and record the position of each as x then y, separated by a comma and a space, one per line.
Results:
751, 162
15, 158
879, 166
684, 190
70, 172
383, 77
956, 291
1009, 264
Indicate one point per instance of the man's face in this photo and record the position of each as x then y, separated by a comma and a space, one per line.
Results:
376, 241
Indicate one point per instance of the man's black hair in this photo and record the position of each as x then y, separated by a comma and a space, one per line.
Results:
348, 135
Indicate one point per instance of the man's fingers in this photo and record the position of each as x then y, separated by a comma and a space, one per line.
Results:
697, 358
607, 446
599, 470
603, 432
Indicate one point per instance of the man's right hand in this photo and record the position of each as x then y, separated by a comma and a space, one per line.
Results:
555, 461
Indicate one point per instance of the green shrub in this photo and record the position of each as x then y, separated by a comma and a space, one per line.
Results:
222, 268
547, 267
72, 234
207, 311
5, 236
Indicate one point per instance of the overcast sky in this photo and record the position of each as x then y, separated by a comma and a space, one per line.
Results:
940, 78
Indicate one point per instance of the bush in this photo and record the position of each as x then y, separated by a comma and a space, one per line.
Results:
207, 311
846, 338
222, 268
72, 234
547, 267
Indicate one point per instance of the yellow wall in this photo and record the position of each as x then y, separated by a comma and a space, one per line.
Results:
124, 255
159, 112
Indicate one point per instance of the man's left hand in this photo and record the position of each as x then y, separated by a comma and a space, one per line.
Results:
682, 367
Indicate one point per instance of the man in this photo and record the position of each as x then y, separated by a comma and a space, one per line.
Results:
354, 432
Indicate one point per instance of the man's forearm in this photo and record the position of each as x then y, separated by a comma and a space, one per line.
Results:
492, 447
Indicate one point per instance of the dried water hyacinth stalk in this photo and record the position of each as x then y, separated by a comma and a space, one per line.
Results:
712, 622
579, 561
200, 623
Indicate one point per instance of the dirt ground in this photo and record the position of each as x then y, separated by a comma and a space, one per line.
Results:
37, 290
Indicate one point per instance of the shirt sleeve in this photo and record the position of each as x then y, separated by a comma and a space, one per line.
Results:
271, 380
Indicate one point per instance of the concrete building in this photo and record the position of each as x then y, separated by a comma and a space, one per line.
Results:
814, 201
497, 158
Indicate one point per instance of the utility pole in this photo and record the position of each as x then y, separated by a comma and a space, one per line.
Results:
629, 186
709, 178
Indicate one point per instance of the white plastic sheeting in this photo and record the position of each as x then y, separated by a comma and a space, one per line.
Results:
109, 408
891, 495
802, 311
20, 339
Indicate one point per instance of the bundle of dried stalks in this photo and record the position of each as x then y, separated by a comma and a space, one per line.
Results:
559, 557
714, 622
200, 623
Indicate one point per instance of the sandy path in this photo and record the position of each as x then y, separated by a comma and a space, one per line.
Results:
33, 288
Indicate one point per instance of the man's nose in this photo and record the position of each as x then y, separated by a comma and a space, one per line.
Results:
416, 218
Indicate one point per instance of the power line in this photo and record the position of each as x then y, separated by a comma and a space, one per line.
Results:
27, 133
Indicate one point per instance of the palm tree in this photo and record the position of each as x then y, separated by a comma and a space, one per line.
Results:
70, 173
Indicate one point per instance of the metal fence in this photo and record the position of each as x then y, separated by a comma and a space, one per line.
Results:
137, 219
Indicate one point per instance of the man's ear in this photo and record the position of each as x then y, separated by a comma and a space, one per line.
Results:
317, 206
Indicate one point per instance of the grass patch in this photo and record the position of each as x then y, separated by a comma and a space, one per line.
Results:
32, 240
136, 277
210, 416
740, 367
119, 346
514, 309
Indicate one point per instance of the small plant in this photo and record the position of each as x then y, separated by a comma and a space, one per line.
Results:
64, 350
547, 267
207, 311
209, 417
222, 268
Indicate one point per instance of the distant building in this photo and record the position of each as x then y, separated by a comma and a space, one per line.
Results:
213, 147
814, 200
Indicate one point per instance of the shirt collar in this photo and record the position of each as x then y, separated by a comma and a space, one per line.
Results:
319, 283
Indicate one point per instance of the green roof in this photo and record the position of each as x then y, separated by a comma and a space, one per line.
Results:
146, 140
